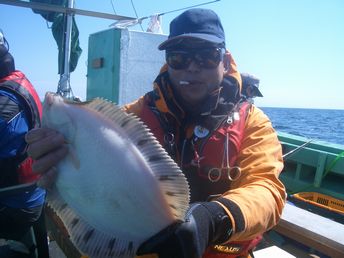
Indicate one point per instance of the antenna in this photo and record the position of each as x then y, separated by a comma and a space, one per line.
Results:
160, 14
128, 23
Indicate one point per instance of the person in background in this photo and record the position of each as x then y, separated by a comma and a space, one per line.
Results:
20, 111
250, 87
226, 147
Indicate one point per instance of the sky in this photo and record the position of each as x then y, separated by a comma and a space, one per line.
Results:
295, 47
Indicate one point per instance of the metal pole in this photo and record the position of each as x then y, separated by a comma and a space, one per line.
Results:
61, 9
288, 154
64, 88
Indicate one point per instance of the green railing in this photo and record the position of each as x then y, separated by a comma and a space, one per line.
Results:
317, 167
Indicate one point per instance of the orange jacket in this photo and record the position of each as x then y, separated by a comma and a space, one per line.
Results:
258, 193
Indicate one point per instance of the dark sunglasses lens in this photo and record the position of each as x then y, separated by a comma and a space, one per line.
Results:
205, 58
209, 58
177, 59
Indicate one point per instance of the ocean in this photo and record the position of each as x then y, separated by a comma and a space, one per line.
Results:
317, 124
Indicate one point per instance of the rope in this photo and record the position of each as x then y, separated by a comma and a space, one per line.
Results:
132, 4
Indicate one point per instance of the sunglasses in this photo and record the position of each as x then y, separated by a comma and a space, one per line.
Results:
208, 58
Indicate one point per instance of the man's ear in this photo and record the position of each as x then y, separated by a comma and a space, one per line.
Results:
226, 62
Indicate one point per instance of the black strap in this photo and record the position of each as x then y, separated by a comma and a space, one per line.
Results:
17, 189
25, 98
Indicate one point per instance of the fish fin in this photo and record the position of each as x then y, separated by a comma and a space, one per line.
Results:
89, 240
171, 179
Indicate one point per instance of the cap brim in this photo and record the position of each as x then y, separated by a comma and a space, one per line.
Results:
257, 92
176, 40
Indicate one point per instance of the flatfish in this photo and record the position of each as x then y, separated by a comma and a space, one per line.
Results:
117, 186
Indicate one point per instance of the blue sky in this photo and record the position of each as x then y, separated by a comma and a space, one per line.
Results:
295, 47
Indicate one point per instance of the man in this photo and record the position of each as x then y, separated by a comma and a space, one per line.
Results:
250, 87
227, 149
20, 111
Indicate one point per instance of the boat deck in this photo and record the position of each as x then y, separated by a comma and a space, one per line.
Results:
312, 230
322, 237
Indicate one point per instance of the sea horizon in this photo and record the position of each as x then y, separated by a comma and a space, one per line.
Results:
318, 124
339, 109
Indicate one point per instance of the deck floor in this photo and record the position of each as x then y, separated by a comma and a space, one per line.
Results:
287, 251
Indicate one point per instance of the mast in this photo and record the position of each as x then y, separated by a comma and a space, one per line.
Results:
64, 88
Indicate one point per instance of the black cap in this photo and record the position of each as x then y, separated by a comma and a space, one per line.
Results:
197, 23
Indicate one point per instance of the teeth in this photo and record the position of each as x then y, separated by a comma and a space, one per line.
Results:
184, 82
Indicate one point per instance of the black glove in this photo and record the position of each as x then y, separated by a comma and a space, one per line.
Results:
205, 223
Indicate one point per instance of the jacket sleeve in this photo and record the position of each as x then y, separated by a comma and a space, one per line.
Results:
256, 200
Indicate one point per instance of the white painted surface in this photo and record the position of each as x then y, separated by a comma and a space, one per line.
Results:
272, 252
140, 63
315, 223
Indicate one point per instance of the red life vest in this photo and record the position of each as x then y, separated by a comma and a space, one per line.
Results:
20, 86
17, 83
208, 154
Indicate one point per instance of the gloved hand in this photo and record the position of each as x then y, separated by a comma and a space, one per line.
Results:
205, 223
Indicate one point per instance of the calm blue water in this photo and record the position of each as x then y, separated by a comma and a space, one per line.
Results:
319, 124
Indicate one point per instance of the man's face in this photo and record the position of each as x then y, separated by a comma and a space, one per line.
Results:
194, 73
